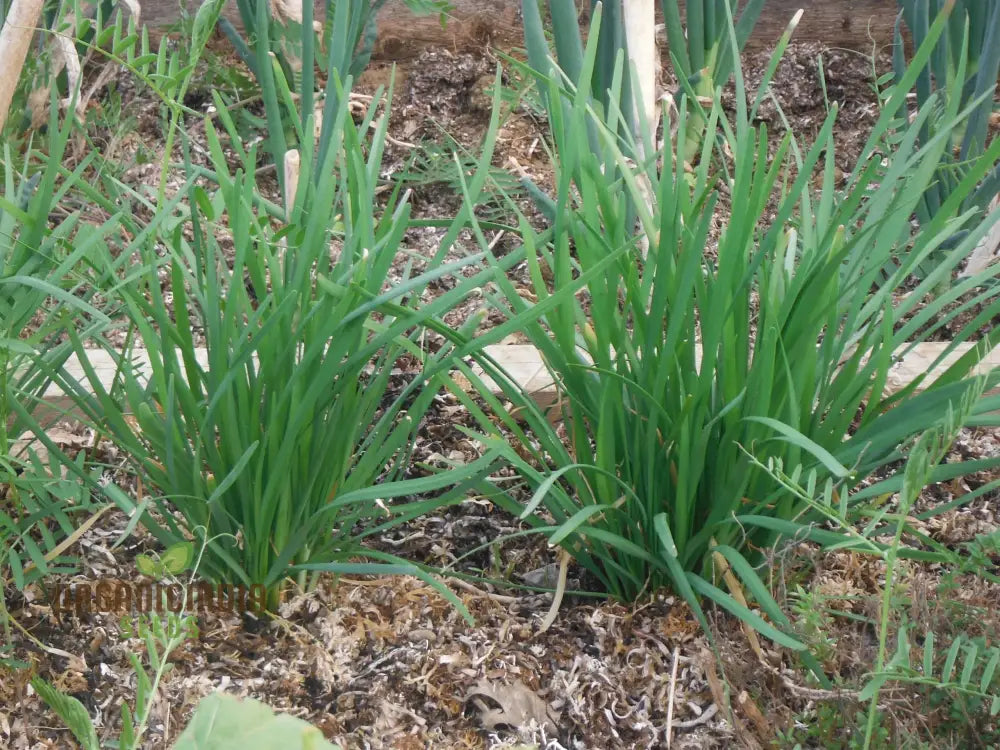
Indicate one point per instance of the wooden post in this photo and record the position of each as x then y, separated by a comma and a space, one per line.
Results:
15, 38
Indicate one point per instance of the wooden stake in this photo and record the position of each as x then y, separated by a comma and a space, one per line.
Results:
15, 38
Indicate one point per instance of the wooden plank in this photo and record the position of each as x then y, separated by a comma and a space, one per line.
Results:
525, 366
528, 370
474, 24
58, 406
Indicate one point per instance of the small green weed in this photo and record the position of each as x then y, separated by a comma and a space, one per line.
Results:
161, 636
831, 726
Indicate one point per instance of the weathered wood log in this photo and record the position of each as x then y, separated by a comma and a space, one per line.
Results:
856, 24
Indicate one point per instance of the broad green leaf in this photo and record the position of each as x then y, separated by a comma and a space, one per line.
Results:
224, 722
178, 557
147, 566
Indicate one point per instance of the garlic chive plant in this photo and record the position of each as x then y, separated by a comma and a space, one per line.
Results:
51, 275
674, 371
290, 445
